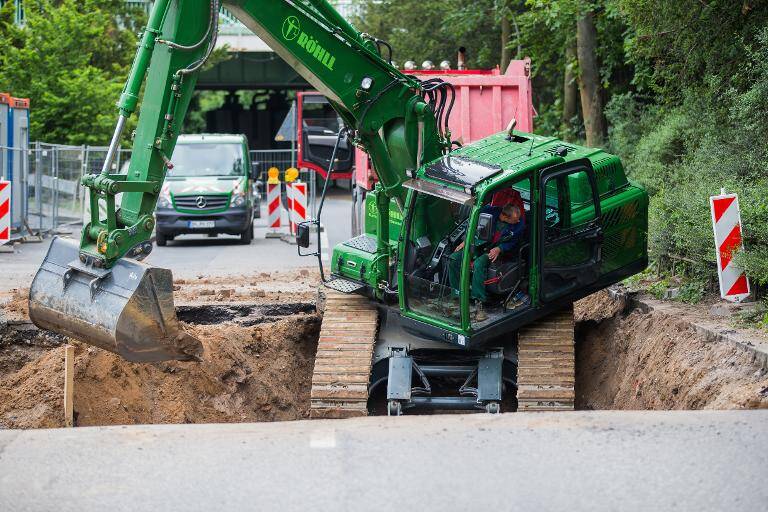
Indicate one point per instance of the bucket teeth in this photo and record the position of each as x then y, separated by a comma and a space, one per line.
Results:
127, 310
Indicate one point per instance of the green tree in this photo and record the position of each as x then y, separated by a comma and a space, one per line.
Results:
433, 30
71, 59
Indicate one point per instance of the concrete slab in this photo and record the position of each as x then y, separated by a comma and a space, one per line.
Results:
591, 461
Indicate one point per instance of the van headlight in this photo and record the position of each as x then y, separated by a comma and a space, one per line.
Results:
238, 199
164, 200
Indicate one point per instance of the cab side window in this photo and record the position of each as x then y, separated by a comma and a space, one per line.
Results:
570, 232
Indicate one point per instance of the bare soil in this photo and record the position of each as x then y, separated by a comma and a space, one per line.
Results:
259, 357
657, 361
255, 368
299, 285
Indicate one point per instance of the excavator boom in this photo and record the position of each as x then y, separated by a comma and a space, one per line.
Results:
98, 291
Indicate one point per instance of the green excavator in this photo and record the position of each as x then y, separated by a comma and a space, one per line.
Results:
458, 295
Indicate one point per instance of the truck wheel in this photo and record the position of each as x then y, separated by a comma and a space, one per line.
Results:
247, 236
160, 239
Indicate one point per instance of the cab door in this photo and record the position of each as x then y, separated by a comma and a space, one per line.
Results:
570, 230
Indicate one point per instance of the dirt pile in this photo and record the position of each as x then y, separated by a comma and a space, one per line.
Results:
254, 369
14, 305
657, 361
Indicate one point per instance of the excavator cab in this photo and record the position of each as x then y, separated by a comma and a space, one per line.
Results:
436, 250
449, 279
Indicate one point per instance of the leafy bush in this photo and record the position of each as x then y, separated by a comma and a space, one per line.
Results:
685, 153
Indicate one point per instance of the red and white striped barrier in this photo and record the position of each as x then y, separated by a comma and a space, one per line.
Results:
726, 221
289, 203
273, 207
5, 211
298, 201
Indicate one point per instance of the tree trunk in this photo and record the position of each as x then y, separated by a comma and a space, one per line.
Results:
505, 31
570, 90
589, 80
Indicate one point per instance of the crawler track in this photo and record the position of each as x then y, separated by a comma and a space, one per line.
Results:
546, 366
344, 355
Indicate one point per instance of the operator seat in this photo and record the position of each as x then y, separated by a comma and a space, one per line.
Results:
509, 272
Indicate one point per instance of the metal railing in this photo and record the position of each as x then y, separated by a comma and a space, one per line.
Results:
54, 201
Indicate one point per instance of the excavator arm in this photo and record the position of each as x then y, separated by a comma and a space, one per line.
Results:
99, 291
387, 109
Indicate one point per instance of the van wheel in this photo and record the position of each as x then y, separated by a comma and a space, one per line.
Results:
160, 239
247, 236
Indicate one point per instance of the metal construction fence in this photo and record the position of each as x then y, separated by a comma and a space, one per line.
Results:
55, 200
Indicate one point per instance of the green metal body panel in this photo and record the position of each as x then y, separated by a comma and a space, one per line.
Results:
624, 209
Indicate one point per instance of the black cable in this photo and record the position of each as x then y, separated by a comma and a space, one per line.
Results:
379, 43
342, 133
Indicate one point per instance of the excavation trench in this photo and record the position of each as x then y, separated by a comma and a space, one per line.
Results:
259, 359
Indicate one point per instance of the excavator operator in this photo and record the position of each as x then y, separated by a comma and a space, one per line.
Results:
508, 231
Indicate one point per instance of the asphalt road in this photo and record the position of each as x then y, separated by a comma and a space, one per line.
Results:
192, 255
589, 461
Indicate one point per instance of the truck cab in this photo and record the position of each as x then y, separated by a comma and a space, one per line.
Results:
208, 190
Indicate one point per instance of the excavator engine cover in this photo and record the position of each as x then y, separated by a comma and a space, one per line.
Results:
127, 309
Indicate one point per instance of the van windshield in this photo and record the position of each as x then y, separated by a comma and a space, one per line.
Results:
207, 160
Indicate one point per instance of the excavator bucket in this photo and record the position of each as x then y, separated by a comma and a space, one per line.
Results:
127, 309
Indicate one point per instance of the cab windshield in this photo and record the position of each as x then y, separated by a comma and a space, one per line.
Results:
207, 160
437, 227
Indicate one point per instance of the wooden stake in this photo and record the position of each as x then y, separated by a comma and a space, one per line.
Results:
69, 382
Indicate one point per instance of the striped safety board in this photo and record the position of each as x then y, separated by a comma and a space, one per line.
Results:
5, 211
726, 221
298, 204
273, 205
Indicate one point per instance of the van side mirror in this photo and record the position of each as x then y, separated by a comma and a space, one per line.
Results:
302, 235
485, 227
255, 166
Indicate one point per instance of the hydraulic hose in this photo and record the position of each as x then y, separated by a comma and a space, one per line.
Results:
212, 44
339, 137
213, 17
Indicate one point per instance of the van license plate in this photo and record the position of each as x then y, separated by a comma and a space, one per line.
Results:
202, 224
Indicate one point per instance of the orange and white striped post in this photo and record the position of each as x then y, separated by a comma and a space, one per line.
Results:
5, 212
274, 207
726, 222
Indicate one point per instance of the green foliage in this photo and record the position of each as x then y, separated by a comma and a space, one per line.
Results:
433, 30
658, 289
686, 152
675, 44
691, 292
756, 316
71, 59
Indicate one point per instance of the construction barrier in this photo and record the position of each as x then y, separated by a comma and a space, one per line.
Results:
5, 212
726, 222
274, 207
290, 176
298, 205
